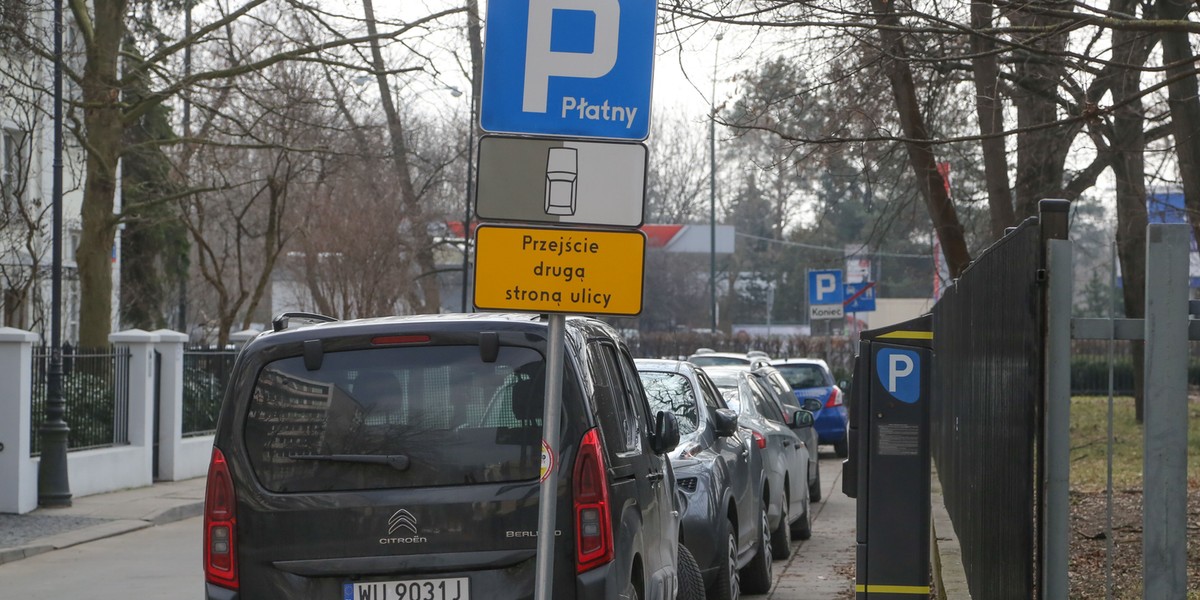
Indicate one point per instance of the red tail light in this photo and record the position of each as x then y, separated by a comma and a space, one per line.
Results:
220, 525
835, 398
593, 525
760, 440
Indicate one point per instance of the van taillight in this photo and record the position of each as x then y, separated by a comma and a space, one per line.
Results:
760, 440
835, 399
220, 525
593, 525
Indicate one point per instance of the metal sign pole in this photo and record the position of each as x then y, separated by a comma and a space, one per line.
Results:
548, 497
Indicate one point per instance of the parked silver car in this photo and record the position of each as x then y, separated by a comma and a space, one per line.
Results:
774, 383
785, 457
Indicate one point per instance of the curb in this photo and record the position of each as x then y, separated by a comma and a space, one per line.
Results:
176, 513
949, 576
8, 555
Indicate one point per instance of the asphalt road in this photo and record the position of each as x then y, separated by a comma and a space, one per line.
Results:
163, 562
160, 562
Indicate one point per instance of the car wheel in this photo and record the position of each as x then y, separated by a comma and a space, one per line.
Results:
757, 574
814, 488
728, 585
802, 528
781, 542
842, 448
691, 581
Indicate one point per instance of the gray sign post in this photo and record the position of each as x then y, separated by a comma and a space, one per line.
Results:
1164, 510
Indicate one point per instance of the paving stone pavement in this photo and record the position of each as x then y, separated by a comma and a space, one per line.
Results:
817, 568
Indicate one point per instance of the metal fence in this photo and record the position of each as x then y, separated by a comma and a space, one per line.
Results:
987, 380
205, 375
1089, 367
96, 390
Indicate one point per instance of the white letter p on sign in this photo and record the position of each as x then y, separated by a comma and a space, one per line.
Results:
826, 284
897, 371
541, 63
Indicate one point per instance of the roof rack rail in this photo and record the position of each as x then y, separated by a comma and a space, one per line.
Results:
280, 322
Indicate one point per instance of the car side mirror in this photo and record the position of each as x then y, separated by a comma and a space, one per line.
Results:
666, 432
802, 419
812, 404
725, 422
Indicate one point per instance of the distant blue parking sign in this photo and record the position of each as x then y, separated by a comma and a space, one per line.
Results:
580, 68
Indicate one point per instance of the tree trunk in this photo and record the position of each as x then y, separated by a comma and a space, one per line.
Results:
1128, 147
429, 299
920, 151
1183, 98
103, 123
989, 110
1041, 153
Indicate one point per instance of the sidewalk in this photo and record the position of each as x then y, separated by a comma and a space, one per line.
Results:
822, 568
96, 517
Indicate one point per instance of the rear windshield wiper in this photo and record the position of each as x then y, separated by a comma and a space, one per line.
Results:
398, 462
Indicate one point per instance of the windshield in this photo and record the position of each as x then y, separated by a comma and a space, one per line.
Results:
673, 393
443, 415
804, 376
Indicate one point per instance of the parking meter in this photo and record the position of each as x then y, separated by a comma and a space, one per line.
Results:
887, 471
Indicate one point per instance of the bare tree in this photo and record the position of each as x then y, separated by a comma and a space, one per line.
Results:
101, 112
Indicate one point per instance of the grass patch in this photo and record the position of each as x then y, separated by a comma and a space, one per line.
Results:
1089, 435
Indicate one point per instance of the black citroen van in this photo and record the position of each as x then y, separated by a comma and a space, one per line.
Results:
399, 459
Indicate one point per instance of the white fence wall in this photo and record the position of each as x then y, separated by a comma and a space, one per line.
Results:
105, 469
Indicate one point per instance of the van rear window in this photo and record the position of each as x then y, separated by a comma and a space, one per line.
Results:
397, 418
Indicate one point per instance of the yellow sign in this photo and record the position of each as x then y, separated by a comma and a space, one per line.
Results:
546, 270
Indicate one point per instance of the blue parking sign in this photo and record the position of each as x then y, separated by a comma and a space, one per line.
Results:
825, 287
580, 68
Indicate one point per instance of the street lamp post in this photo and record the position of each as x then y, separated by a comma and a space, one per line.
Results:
712, 190
54, 488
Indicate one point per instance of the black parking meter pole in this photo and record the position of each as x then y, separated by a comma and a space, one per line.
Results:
556, 343
889, 460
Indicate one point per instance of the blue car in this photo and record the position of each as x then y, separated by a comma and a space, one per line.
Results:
810, 378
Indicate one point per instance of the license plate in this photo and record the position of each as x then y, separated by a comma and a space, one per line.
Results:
457, 588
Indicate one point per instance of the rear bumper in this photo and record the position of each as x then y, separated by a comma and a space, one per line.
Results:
216, 592
831, 424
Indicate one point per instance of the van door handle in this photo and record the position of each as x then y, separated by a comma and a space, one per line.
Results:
654, 477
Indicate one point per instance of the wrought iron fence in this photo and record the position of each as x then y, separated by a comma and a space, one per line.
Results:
987, 381
205, 375
96, 390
